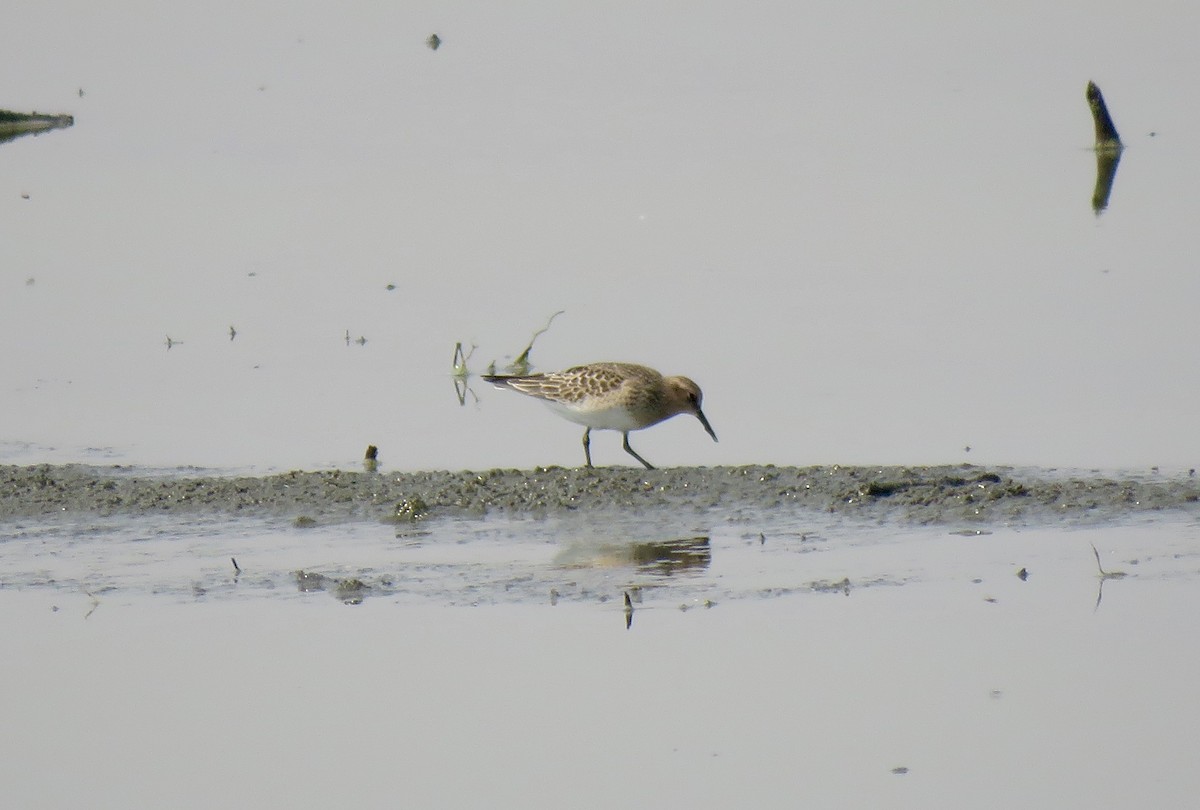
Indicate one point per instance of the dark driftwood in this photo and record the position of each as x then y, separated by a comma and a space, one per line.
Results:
1106, 131
1108, 148
15, 124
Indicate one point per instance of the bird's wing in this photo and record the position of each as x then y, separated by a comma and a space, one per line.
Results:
572, 384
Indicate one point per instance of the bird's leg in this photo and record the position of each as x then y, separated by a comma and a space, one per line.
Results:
587, 446
629, 450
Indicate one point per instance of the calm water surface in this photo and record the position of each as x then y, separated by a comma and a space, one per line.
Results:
868, 234
134, 653
869, 237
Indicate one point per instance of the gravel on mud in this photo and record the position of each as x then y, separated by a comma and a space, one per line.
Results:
923, 495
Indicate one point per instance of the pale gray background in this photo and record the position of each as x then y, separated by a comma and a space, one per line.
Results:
866, 232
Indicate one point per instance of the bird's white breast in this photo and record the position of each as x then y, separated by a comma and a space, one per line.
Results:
597, 418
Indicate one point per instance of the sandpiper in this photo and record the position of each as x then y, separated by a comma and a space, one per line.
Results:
611, 396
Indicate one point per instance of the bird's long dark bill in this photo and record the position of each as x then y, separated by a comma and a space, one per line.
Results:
707, 426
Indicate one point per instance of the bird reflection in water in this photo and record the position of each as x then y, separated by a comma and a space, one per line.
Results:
657, 557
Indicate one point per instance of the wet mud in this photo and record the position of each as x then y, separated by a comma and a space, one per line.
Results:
918, 495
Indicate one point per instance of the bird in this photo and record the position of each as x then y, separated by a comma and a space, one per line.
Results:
610, 396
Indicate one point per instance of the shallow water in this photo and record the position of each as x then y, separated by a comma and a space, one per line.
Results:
903, 651
690, 557
860, 665
869, 239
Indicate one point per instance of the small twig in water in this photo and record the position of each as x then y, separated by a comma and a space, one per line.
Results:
1104, 577
460, 359
95, 604
1105, 574
371, 458
460, 373
521, 364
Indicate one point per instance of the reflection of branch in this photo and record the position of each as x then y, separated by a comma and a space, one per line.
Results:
461, 389
1107, 161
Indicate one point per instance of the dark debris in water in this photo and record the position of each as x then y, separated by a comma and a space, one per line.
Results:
947, 495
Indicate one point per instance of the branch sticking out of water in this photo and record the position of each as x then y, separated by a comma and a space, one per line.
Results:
14, 124
1106, 574
1106, 132
521, 364
95, 604
460, 372
1108, 149
460, 359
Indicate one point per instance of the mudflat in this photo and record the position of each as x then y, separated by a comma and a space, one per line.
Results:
922, 495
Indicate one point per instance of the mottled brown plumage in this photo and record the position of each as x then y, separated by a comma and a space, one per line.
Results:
611, 396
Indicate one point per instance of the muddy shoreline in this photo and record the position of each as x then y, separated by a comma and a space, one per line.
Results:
922, 495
